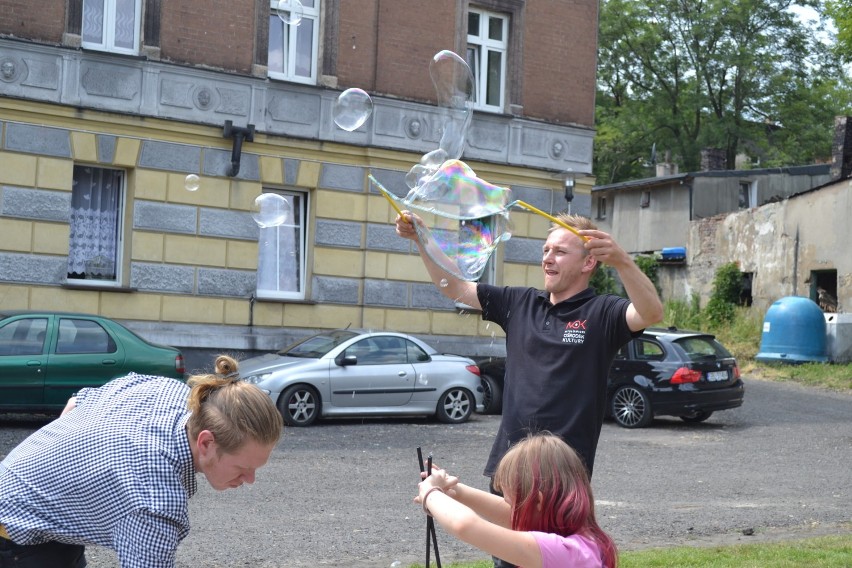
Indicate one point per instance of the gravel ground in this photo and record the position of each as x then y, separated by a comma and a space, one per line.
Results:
340, 493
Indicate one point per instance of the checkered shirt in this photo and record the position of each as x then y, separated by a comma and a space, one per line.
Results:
116, 472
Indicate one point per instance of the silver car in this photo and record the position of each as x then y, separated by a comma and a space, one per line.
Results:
361, 373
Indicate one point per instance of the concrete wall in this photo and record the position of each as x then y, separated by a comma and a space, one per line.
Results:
718, 192
781, 244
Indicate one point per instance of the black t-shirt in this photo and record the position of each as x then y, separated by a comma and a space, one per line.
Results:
557, 361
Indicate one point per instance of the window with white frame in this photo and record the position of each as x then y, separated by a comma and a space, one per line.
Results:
487, 47
294, 47
112, 25
95, 243
282, 252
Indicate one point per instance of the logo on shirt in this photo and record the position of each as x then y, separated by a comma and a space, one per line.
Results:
575, 332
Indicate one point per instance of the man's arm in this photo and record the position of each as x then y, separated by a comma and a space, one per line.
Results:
449, 285
645, 308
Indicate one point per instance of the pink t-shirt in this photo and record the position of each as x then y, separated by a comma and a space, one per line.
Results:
573, 551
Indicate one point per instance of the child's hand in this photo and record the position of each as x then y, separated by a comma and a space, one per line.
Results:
439, 479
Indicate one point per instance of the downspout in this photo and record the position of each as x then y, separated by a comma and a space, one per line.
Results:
239, 134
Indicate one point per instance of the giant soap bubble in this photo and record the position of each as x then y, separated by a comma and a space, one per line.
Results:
455, 88
460, 218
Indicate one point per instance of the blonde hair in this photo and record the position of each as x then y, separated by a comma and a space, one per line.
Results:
579, 222
234, 411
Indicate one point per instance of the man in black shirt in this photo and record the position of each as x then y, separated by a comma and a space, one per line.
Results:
560, 341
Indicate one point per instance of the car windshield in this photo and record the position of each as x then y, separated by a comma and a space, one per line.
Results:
703, 348
318, 345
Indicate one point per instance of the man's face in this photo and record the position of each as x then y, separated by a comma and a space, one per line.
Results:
563, 260
229, 471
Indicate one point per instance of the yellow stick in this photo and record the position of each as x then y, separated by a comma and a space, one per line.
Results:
529, 207
393, 204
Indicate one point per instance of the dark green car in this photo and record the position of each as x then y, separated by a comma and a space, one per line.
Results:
45, 357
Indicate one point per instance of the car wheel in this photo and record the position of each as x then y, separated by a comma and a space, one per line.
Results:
697, 416
299, 405
455, 406
631, 408
493, 395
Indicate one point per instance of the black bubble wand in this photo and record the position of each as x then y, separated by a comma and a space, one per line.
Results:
431, 537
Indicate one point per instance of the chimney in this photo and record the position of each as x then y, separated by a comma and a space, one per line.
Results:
841, 149
666, 167
713, 159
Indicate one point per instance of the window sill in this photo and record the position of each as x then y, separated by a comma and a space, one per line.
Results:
98, 287
286, 301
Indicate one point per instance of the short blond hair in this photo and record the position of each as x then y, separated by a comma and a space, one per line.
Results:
578, 222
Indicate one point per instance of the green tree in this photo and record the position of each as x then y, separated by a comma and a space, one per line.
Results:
841, 12
727, 289
746, 76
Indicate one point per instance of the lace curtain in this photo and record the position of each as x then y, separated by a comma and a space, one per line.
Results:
95, 204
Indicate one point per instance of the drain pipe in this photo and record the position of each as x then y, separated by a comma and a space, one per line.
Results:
239, 134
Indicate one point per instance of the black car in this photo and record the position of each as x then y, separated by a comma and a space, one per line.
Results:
662, 372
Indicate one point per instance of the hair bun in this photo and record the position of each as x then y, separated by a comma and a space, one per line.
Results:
226, 366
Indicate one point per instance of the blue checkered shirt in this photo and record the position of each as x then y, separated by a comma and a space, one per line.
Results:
116, 472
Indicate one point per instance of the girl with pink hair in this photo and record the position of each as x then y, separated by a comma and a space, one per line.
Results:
546, 518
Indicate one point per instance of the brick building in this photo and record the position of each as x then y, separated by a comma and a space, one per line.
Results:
107, 106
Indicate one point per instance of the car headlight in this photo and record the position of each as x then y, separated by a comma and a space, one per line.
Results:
257, 379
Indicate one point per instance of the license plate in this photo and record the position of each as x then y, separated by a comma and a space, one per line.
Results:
717, 376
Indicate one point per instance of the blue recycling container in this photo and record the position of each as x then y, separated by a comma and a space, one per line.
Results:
794, 331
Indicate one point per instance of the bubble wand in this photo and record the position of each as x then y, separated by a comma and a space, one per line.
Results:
519, 203
430, 522
529, 207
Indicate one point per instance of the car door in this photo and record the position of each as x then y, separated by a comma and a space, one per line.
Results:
380, 377
636, 363
84, 354
23, 360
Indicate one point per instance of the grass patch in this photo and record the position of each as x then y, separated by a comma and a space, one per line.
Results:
822, 552
826, 552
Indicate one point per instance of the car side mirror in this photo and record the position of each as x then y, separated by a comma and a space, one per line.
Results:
347, 360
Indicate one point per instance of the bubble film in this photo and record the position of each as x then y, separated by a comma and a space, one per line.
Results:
460, 218
270, 210
352, 109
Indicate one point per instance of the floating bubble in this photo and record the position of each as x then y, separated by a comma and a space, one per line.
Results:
423, 380
396, 564
192, 182
290, 12
270, 210
444, 283
455, 89
434, 159
352, 109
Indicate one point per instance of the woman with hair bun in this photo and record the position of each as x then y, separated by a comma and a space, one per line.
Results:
118, 467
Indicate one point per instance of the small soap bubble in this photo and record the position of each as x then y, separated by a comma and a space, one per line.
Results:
423, 380
192, 182
396, 564
352, 109
444, 283
270, 210
290, 12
